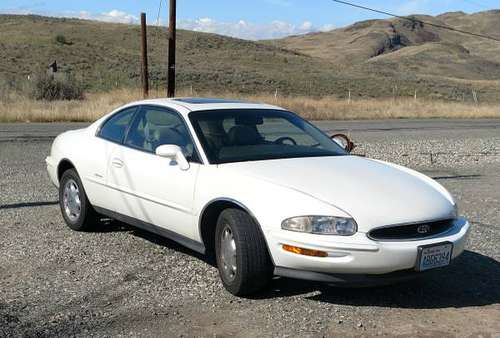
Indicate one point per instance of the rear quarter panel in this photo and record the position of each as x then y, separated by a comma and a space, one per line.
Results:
89, 156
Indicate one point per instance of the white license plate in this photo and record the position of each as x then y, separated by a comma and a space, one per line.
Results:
434, 256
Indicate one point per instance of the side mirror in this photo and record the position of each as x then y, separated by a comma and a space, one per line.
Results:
174, 153
344, 141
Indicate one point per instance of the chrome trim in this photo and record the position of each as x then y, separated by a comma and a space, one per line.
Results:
454, 220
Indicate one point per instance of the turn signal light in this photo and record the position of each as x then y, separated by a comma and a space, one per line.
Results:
305, 252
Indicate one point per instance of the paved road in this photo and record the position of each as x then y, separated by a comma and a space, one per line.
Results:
482, 127
123, 281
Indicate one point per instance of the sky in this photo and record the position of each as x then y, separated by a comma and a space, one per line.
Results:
250, 19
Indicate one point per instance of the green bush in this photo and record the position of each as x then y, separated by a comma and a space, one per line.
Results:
61, 39
52, 87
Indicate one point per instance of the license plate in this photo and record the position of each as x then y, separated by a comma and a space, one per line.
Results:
434, 256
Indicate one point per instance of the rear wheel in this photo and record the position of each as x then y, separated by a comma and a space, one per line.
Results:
242, 257
76, 209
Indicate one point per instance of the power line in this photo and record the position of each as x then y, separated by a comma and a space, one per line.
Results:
159, 13
417, 20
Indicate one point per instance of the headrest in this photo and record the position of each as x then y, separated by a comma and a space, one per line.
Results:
243, 136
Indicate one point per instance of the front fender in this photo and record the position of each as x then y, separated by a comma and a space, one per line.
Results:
269, 203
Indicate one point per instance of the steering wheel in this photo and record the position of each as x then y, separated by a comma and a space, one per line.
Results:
282, 140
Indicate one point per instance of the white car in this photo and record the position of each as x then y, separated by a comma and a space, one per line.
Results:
262, 189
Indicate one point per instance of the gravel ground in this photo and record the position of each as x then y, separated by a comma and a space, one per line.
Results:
125, 282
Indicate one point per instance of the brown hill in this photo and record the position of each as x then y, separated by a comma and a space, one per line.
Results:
403, 49
376, 58
368, 39
105, 56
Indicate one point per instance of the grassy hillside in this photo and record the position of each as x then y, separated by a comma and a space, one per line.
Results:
379, 58
450, 64
107, 55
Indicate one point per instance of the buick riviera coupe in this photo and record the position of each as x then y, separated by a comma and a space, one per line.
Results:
260, 188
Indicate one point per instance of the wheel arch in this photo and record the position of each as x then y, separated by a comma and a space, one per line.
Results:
64, 164
208, 220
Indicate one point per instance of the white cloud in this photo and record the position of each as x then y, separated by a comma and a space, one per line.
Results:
240, 29
251, 31
327, 27
111, 16
306, 26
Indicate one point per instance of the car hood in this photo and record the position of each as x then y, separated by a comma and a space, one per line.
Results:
374, 193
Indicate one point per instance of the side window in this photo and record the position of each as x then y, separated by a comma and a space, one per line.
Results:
114, 129
154, 127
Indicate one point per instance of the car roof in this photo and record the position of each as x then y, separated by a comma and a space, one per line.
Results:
201, 104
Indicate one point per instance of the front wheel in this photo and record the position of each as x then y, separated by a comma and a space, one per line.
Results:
76, 209
242, 257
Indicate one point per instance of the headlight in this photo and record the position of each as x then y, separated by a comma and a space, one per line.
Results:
323, 225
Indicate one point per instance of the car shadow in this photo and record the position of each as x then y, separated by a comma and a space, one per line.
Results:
114, 225
472, 280
28, 204
106, 225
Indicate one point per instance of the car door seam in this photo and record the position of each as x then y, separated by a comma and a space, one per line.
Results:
178, 208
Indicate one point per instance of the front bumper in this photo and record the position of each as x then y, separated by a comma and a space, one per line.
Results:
356, 254
349, 280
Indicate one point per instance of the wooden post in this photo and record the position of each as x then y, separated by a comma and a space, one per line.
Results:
145, 73
171, 49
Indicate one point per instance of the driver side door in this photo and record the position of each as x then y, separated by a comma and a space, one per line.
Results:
152, 188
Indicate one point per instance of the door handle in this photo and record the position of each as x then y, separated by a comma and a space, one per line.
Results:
117, 163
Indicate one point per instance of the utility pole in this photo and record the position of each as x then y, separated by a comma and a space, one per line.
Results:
171, 49
145, 74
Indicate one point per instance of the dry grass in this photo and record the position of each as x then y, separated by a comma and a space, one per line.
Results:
16, 108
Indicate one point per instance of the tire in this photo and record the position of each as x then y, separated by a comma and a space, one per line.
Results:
250, 269
76, 209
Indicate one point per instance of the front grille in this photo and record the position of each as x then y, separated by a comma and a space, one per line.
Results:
411, 232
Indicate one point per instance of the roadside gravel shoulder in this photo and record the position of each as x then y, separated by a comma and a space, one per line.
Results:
123, 281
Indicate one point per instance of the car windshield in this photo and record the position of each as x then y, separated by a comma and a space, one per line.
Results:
259, 134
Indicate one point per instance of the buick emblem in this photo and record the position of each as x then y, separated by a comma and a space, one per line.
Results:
424, 229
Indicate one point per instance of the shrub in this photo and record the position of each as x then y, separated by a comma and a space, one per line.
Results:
61, 39
52, 87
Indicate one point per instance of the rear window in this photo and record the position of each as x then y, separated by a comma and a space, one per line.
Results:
114, 129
